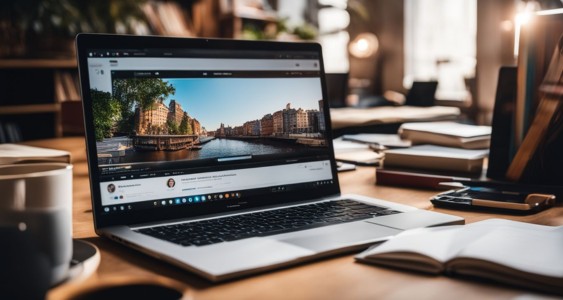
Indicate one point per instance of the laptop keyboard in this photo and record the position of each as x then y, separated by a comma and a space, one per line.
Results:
264, 223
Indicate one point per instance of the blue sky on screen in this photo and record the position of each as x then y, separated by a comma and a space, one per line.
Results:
233, 101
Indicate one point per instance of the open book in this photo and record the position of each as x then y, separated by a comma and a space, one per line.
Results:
511, 252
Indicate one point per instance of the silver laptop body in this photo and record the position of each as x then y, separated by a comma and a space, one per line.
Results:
187, 133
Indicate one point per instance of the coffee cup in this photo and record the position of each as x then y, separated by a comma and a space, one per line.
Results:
128, 287
37, 198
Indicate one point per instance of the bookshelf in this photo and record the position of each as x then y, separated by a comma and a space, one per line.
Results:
234, 22
210, 18
40, 98
34, 94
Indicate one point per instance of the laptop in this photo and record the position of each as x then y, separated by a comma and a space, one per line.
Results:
216, 155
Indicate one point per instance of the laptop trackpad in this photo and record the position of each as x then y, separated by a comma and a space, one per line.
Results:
339, 236
417, 219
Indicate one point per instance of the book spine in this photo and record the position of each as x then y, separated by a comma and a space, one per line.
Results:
522, 73
546, 111
433, 163
416, 180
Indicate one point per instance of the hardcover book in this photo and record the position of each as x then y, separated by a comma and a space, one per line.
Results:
430, 157
449, 134
418, 179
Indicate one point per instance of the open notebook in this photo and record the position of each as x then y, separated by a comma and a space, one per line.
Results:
516, 253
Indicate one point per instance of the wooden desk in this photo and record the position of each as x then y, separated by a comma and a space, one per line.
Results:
334, 278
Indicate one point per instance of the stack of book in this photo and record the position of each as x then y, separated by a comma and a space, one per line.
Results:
442, 152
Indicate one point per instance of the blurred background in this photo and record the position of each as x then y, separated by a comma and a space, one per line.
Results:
376, 52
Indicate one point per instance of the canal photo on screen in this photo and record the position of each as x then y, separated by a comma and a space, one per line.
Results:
146, 119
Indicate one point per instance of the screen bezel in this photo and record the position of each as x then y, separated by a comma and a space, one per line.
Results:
85, 42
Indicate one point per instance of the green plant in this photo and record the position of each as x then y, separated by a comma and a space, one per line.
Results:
66, 18
252, 32
306, 32
281, 25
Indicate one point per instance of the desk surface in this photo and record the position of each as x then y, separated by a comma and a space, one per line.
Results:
334, 278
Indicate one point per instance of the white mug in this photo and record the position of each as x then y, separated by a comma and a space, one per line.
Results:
38, 198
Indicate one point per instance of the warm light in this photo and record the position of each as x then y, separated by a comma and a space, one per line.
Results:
364, 45
519, 21
507, 25
528, 10
523, 18
550, 12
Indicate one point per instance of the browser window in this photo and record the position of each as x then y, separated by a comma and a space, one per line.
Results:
180, 127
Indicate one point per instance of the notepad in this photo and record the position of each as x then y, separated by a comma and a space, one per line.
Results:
355, 153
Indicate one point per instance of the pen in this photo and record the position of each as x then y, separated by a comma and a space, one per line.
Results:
532, 200
375, 146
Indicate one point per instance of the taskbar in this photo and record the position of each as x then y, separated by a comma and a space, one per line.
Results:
192, 199
201, 199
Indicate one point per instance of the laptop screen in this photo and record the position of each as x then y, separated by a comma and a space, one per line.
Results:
205, 130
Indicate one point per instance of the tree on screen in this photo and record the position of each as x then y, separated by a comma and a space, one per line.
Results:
144, 93
106, 110
185, 127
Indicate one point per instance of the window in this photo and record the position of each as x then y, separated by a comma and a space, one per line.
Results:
440, 44
333, 21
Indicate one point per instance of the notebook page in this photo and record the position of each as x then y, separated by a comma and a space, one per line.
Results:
439, 243
534, 249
